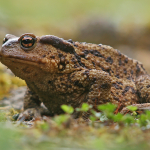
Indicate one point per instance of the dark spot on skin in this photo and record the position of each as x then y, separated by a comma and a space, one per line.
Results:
63, 83
146, 95
105, 86
44, 56
72, 76
117, 76
139, 94
131, 71
119, 52
93, 63
94, 81
142, 67
133, 79
106, 70
148, 86
82, 55
142, 80
109, 71
76, 83
109, 60
60, 55
102, 68
57, 43
116, 98
141, 87
129, 78
117, 93
106, 100
115, 85
49, 82
126, 60
137, 68
75, 44
125, 71
96, 53
133, 90
125, 90
62, 62
120, 62
70, 40
73, 60
86, 72
120, 83
86, 52
79, 60
76, 66
30, 92
69, 86
53, 57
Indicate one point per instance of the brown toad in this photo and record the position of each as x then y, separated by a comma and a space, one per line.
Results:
65, 72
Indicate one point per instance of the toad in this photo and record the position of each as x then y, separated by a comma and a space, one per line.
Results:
59, 71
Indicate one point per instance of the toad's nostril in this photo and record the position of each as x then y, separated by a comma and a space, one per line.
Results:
7, 37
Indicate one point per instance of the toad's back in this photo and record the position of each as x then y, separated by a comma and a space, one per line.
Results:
103, 57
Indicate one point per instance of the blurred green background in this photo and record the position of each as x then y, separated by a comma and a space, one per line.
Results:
123, 24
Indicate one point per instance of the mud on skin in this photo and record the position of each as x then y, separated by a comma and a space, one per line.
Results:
59, 72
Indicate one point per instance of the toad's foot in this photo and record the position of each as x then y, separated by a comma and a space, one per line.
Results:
33, 113
29, 114
141, 107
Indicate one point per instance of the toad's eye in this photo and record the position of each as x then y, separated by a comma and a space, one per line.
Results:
27, 42
5, 40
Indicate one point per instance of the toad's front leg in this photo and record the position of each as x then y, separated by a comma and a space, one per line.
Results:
32, 107
99, 88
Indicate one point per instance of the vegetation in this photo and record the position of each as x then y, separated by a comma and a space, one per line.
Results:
8, 81
105, 130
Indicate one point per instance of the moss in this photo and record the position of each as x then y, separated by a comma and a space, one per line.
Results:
8, 81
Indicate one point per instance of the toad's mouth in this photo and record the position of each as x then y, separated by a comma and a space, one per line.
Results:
45, 64
24, 59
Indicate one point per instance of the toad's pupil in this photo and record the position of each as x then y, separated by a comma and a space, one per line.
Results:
27, 40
